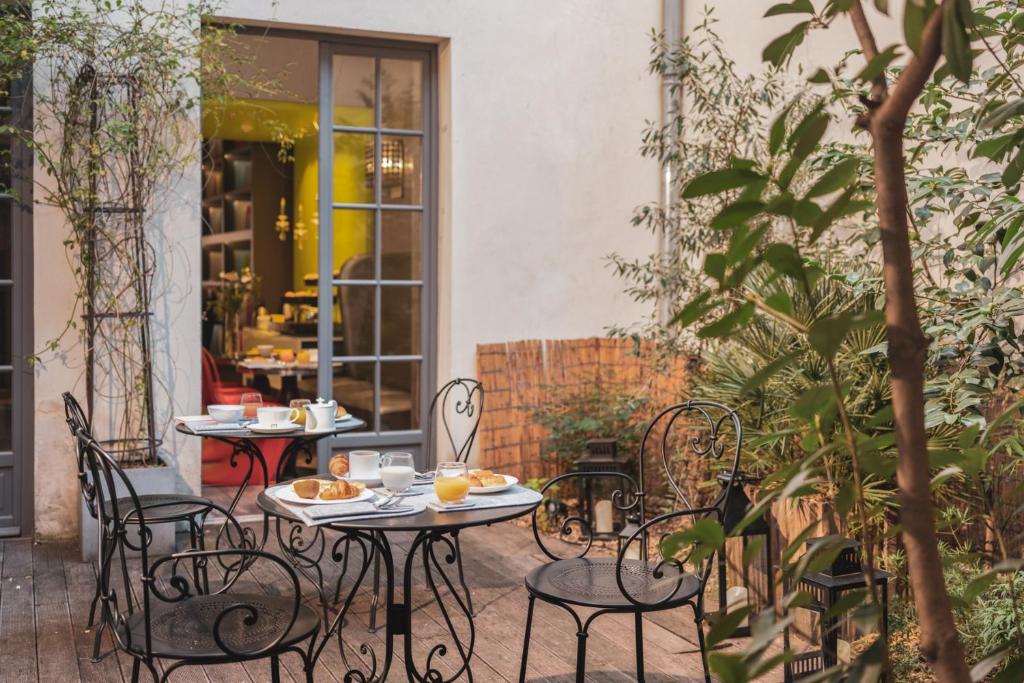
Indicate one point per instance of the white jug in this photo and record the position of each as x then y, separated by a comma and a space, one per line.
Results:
320, 415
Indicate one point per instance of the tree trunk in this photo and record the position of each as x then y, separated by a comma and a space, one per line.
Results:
940, 643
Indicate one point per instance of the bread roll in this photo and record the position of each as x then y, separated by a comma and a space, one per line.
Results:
306, 488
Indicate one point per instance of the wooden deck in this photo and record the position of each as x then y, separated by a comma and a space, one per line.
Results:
45, 593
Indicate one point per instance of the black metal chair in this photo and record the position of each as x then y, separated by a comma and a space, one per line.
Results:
457, 406
637, 586
163, 508
170, 613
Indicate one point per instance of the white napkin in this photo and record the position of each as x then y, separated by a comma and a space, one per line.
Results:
513, 497
315, 515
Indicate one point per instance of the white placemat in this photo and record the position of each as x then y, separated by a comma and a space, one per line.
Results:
514, 497
315, 515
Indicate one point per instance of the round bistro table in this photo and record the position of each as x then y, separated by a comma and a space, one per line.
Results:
436, 543
247, 444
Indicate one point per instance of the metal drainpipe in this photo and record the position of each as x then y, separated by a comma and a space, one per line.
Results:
672, 26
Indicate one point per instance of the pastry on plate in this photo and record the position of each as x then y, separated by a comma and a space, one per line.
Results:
485, 478
306, 488
338, 465
340, 490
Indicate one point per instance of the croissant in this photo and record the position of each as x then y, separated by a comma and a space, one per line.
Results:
339, 490
338, 465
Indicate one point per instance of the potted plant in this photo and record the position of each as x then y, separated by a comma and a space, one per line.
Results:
115, 92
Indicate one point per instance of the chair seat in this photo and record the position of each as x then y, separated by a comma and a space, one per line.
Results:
158, 508
184, 630
590, 582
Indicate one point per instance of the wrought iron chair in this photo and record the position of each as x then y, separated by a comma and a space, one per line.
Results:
164, 508
456, 409
637, 586
457, 406
170, 612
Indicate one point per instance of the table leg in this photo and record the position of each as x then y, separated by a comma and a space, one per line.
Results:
290, 457
255, 457
370, 544
435, 546
289, 388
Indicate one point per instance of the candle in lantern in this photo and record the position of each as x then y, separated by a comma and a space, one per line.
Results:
736, 598
603, 517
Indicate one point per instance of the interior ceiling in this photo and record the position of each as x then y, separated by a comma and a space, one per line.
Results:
289, 66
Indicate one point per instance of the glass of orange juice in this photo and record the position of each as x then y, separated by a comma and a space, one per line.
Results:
251, 401
451, 482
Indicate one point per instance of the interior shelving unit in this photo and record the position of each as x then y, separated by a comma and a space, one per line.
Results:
243, 184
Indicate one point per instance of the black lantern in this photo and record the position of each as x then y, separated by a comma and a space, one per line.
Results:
755, 579
825, 589
596, 499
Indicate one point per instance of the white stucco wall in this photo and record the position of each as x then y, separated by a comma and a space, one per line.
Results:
542, 107
175, 239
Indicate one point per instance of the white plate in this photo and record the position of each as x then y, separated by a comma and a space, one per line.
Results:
510, 481
273, 429
288, 495
370, 483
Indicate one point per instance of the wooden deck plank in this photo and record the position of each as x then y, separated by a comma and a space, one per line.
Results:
55, 661
17, 633
59, 589
80, 580
17, 559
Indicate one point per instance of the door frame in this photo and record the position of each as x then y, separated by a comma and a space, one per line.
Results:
413, 439
429, 334
22, 268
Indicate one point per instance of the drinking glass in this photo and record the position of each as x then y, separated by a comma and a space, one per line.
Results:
451, 482
299, 405
397, 471
251, 401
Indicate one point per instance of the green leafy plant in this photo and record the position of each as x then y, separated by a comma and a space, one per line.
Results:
573, 415
115, 93
945, 238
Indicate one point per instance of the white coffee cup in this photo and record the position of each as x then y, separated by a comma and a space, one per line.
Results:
275, 415
364, 465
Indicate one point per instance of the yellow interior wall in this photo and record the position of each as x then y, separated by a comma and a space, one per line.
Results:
264, 121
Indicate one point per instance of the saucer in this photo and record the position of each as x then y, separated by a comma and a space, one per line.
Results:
285, 428
372, 482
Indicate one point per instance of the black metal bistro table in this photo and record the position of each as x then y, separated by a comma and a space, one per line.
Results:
434, 544
247, 444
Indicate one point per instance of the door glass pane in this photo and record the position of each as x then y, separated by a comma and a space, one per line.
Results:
353, 244
358, 303
402, 180
5, 325
353, 388
353, 168
6, 409
400, 321
5, 239
5, 164
400, 245
399, 395
401, 99
354, 90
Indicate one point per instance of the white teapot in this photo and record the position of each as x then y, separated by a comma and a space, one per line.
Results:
320, 415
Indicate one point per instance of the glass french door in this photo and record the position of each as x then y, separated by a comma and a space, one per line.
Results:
15, 318
376, 239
